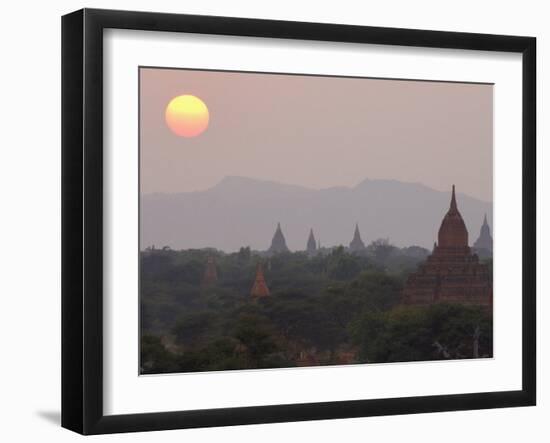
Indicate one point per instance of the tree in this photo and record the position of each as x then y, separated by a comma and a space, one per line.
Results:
244, 254
377, 290
409, 333
343, 266
329, 302
382, 249
192, 328
256, 338
154, 357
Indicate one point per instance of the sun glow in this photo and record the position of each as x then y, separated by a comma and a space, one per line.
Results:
187, 116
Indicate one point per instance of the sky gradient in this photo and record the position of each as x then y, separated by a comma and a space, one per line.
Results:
317, 132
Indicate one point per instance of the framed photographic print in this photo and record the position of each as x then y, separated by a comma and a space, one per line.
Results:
269, 221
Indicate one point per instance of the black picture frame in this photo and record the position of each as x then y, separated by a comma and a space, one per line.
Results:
82, 219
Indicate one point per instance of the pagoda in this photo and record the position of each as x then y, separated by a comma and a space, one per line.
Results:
311, 247
484, 244
356, 244
278, 244
210, 276
259, 288
452, 273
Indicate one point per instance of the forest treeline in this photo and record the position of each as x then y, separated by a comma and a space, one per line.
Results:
332, 308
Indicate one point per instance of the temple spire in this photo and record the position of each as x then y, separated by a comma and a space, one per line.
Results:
453, 200
453, 232
311, 246
484, 244
278, 244
259, 288
356, 244
210, 276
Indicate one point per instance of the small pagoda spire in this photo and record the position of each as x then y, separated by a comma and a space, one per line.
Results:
311, 247
278, 243
356, 244
259, 288
210, 273
484, 243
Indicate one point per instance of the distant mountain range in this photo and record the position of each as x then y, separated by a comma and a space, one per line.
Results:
244, 212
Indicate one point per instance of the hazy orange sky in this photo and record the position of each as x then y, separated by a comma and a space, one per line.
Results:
317, 132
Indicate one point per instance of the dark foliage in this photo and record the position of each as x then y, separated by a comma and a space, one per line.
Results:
320, 307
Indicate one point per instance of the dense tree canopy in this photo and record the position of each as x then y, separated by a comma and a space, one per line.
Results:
321, 310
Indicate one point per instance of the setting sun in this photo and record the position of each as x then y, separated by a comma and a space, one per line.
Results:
187, 116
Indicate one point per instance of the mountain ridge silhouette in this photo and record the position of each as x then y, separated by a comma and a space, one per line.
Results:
243, 211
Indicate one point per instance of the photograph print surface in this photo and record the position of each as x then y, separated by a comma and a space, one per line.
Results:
300, 220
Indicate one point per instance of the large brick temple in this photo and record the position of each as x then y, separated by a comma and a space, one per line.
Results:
452, 273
